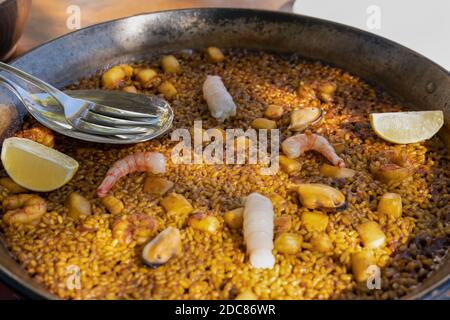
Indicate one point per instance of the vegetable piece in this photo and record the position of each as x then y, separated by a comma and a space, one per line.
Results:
145, 76
220, 102
168, 90
170, 64
289, 165
326, 91
214, 54
78, 206
321, 242
162, 248
288, 243
371, 235
204, 222
316, 195
315, 221
279, 203
274, 112
390, 205
258, 230
246, 295
112, 204
156, 185
130, 89
234, 218
336, 172
176, 204
113, 78
361, 261
263, 123
127, 69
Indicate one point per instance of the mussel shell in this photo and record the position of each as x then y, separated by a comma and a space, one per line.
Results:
303, 118
162, 248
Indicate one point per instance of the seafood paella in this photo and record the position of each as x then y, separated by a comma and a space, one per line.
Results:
135, 224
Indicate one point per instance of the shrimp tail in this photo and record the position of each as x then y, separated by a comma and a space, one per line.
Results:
295, 146
138, 162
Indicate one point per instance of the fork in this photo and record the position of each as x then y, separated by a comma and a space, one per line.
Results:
85, 115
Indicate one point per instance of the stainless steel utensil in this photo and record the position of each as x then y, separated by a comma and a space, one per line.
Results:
91, 117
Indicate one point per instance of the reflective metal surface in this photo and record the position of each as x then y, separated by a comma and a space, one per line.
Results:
106, 115
418, 81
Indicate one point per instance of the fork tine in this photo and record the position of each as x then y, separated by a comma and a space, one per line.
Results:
120, 113
110, 121
98, 129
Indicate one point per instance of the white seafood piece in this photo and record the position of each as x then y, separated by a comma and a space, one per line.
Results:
220, 102
258, 230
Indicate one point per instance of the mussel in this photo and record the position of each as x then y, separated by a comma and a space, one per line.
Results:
303, 118
316, 195
162, 248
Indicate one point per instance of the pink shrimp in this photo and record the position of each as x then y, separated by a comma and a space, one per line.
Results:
295, 146
153, 162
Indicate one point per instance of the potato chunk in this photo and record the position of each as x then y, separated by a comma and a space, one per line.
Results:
288, 243
78, 206
371, 234
144, 76
361, 261
130, 89
204, 222
274, 112
113, 78
263, 123
246, 295
336, 172
176, 204
289, 165
321, 242
168, 90
234, 218
315, 221
214, 54
390, 205
156, 185
112, 204
170, 64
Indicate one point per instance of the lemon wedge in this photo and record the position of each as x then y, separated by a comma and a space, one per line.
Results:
35, 166
407, 127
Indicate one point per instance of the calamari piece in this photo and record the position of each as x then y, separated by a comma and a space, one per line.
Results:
258, 230
295, 146
220, 102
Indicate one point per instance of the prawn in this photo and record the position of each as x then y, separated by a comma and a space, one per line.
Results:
295, 146
138, 226
23, 208
136, 162
220, 102
258, 230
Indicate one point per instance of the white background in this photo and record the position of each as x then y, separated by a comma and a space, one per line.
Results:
421, 25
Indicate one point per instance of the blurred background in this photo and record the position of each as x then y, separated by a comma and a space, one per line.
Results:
421, 25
